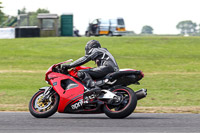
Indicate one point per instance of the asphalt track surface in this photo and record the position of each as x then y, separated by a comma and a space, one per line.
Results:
20, 122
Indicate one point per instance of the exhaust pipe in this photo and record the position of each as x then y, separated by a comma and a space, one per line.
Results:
141, 94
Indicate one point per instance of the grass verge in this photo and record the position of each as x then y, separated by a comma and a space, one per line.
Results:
171, 66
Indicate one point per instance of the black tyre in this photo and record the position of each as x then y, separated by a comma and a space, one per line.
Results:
110, 34
44, 109
87, 34
123, 107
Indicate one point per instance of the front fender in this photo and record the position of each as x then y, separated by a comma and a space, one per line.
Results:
44, 88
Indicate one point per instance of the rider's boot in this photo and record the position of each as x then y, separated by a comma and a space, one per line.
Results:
96, 90
93, 89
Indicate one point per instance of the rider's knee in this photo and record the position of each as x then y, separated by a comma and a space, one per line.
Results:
81, 74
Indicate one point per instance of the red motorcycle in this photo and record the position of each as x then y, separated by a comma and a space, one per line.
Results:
66, 93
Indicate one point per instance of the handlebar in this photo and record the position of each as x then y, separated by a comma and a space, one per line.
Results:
70, 60
57, 67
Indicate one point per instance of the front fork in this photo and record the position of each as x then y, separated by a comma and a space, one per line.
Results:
48, 92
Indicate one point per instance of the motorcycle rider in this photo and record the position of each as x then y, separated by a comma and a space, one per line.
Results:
105, 64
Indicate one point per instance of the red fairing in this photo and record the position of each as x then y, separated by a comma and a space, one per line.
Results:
74, 71
70, 96
48, 72
66, 96
51, 68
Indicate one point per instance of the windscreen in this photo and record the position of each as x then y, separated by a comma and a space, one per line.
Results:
120, 21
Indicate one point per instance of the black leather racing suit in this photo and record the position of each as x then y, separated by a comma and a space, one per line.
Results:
105, 62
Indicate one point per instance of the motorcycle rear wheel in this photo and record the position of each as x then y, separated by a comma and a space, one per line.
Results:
123, 108
44, 109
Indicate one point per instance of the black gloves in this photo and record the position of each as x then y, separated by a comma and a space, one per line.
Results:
64, 67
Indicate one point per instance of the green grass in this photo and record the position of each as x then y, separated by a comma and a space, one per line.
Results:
171, 65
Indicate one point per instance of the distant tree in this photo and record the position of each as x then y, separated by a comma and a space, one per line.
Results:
198, 30
2, 15
33, 21
147, 30
33, 16
23, 19
0, 5
42, 11
187, 27
22, 11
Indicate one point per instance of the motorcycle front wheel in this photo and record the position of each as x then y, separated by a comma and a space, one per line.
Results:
43, 109
122, 107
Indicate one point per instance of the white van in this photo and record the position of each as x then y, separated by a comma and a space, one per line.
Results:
110, 27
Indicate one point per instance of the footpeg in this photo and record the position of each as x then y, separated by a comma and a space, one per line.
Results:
95, 90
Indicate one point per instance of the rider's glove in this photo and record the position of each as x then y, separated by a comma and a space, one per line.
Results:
64, 67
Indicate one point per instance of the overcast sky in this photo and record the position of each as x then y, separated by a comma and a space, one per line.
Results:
162, 15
